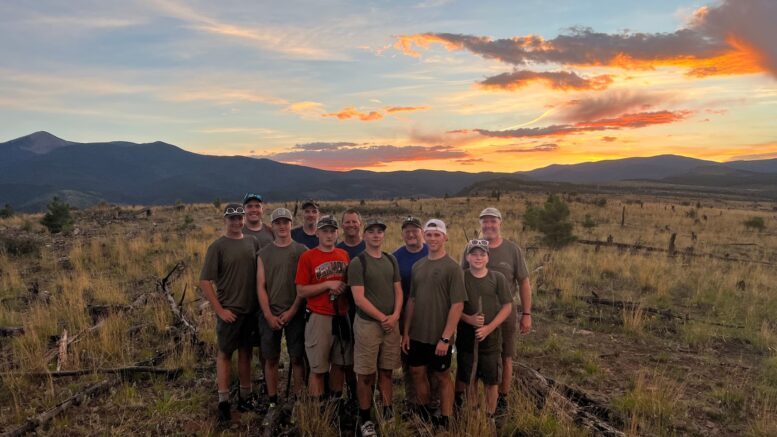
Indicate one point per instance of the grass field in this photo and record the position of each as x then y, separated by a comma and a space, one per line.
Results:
688, 348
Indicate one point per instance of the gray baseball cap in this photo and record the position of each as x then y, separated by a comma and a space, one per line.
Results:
490, 212
374, 222
327, 220
281, 213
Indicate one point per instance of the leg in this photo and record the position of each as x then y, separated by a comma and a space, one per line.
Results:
445, 383
298, 375
244, 365
223, 364
386, 387
421, 383
492, 392
336, 378
316, 384
507, 372
364, 390
271, 375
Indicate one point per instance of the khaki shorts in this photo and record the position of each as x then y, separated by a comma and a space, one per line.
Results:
373, 348
322, 348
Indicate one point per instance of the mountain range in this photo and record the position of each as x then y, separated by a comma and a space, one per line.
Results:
36, 167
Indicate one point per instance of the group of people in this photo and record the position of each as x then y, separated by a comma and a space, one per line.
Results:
353, 313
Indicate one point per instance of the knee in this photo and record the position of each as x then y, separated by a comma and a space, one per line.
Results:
272, 362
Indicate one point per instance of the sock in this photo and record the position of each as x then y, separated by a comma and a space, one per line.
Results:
364, 415
224, 396
352, 390
245, 392
444, 421
274, 399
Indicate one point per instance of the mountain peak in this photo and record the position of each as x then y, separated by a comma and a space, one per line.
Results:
40, 142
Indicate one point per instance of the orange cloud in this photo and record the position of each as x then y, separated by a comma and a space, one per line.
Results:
392, 109
558, 80
351, 112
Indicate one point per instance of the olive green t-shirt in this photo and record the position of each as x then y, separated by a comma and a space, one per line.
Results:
231, 264
263, 236
280, 269
492, 291
508, 260
435, 285
382, 273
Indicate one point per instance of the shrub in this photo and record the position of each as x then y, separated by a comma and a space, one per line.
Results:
588, 222
7, 211
58, 219
552, 220
756, 223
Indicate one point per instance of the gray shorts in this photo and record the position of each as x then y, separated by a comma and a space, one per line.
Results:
235, 335
489, 367
270, 340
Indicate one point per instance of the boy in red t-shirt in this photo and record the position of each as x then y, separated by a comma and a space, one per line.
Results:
320, 275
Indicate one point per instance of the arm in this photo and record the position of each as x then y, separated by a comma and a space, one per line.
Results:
310, 290
264, 299
210, 294
408, 317
286, 316
504, 312
525, 292
454, 314
476, 320
365, 305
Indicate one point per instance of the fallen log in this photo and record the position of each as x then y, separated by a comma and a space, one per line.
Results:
675, 254
32, 423
52, 353
123, 372
164, 287
573, 404
10, 331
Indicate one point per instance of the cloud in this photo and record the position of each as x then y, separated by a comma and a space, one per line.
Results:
351, 112
346, 156
558, 80
469, 161
547, 147
736, 37
306, 108
607, 105
392, 109
608, 139
224, 96
625, 121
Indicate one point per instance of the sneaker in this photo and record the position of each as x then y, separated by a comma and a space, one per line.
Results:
367, 429
271, 411
225, 413
251, 403
501, 405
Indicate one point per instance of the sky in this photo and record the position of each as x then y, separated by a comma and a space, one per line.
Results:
394, 85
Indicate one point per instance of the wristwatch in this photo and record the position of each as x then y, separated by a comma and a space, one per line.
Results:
445, 340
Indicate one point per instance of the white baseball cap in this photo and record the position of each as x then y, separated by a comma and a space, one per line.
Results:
435, 225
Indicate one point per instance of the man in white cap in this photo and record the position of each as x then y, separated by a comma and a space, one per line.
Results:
437, 290
506, 257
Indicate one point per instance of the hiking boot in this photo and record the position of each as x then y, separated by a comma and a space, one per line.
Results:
271, 410
225, 413
251, 403
367, 429
501, 405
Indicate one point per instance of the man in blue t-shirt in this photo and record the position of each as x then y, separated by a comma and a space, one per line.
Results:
414, 249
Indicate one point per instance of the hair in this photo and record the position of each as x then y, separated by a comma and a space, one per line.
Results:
351, 211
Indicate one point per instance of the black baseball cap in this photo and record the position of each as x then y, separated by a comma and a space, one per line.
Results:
412, 221
252, 196
308, 203
327, 220
374, 222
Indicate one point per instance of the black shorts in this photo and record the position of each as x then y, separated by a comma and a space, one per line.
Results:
295, 337
489, 367
422, 355
235, 335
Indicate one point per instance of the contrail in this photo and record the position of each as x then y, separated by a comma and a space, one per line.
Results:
544, 114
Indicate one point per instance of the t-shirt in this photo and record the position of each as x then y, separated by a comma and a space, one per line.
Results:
508, 260
316, 266
406, 259
493, 291
382, 273
353, 251
435, 285
280, 271
264, 236
231, 264
298, 234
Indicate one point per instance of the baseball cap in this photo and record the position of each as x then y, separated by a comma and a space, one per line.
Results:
412, 221
234, 209
374, 222
308, 203
490, 212
252, 196
280, 213
477, 244
435, 225
325, 221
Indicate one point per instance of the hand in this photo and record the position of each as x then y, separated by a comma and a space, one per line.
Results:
478, 320
227, 315
525, 325
274, 322
405, 343
441, 349
286, 316
483, 332
336, 287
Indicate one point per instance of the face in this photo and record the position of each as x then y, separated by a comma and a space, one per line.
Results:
254, 210
310, 215
491, 227
327, 236
281, 227
351, 225
412, 236
374, 236
478, 258
436, 240
234, 223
